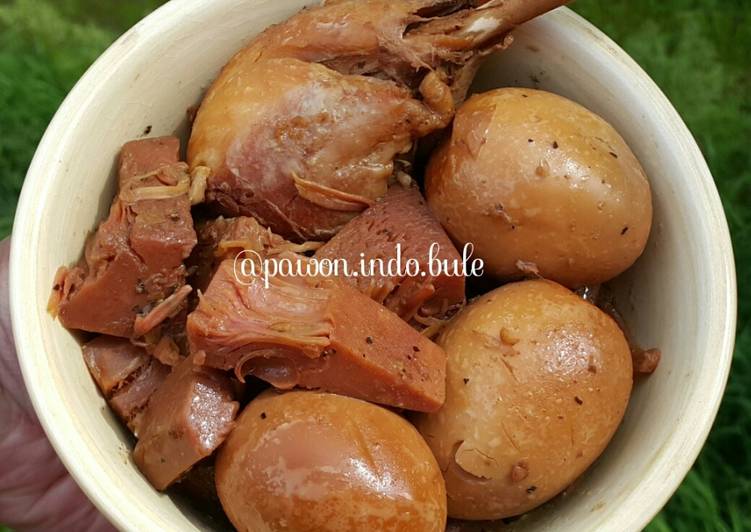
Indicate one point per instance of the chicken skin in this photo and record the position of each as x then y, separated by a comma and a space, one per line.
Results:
303, 127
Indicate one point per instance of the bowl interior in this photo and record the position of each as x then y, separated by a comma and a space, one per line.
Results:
679, 297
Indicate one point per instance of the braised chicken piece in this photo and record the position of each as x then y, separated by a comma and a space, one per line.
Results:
302, 127
126, 375
401, 219
315, 333
132, 277
187, 418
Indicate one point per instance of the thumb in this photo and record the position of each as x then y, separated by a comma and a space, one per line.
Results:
36, 491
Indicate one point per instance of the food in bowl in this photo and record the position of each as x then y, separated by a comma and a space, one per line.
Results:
303, 127
317, 333
562, 193
303, 151
136, 257
538, 381
401, 217
316, 461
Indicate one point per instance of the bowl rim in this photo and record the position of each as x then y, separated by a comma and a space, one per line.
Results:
49, 153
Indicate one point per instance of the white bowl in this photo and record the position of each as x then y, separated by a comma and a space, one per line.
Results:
681, 296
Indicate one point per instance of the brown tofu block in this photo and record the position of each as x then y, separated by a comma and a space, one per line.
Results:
162, 231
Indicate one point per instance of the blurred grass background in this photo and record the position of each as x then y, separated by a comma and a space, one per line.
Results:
696, 50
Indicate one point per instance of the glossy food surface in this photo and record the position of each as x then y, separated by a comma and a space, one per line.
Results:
306, 461
187, 418
66, 194
538, 381
537, 182
303, 126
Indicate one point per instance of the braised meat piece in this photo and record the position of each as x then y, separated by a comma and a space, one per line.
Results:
225, 238
134, 261
315, 333
188, 417
303, 127
126, 375
401, 219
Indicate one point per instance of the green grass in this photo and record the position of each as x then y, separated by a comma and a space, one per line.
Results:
45, 46
696, 50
